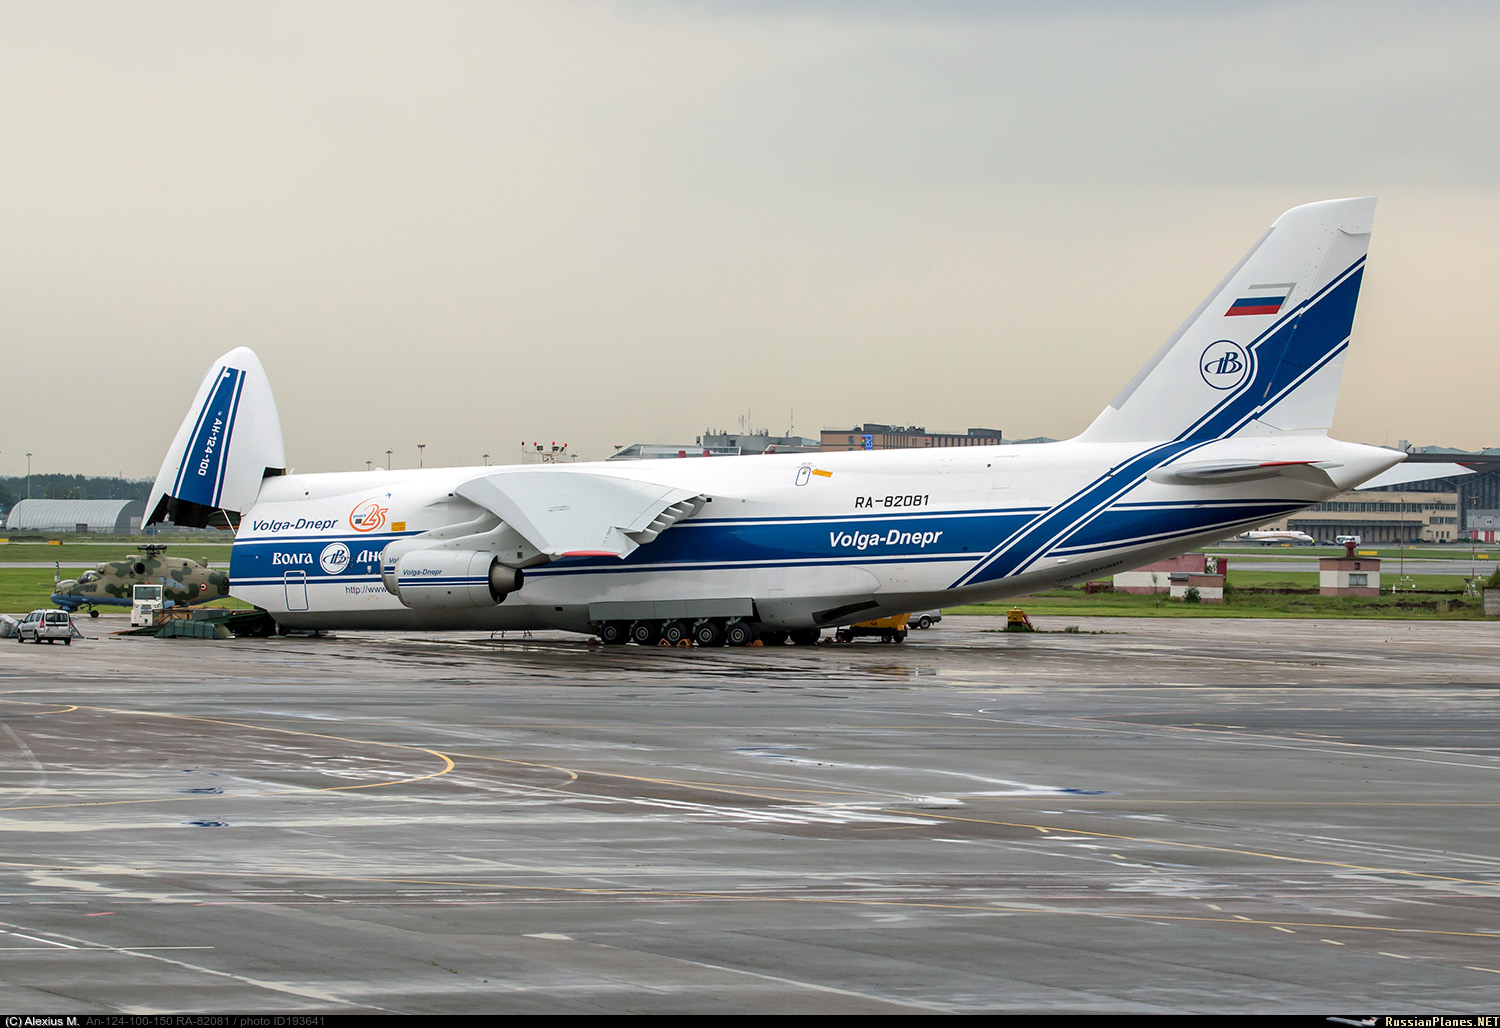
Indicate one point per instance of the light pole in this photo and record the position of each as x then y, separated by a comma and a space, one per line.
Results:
420, 448
28, 476
388, 460
486, 460
367, 464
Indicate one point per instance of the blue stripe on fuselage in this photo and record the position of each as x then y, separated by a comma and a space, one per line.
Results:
726, 545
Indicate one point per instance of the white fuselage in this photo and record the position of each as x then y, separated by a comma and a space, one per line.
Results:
811, 539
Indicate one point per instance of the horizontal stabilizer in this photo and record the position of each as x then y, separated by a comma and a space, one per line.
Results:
1209, 471
565, 514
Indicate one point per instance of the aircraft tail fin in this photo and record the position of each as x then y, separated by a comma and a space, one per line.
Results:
227, 445
1264, 353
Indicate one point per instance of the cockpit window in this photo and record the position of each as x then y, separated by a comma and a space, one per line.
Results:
88, 576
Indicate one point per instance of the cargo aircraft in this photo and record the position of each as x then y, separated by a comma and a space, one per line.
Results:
1224, 429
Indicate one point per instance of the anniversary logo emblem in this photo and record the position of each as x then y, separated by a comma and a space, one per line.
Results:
368, 516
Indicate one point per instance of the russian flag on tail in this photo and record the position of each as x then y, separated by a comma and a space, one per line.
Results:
1255, 305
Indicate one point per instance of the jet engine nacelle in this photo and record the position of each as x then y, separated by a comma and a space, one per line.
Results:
450, 578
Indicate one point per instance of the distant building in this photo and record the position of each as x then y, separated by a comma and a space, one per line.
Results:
719, 444
759, 440
870, 436
667, 451
1432, 510
1382, 516
115, 517
1176, 576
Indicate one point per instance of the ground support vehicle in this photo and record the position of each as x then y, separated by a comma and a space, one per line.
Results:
145, 601
890, 629
46, 624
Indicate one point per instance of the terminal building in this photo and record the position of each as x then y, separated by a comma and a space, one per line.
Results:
868, 436
719, 444
1437, 510
871, 436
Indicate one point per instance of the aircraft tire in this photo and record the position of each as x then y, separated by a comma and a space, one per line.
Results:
674, 632
773, 638
739, 633
645, 633
93, 612
614, 633
807, 636
709, 633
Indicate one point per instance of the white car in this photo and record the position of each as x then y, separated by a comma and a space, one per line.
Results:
46, 624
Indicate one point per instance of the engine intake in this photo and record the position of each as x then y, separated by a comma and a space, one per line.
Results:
449, 578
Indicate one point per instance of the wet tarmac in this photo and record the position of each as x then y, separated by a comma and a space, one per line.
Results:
1142, 816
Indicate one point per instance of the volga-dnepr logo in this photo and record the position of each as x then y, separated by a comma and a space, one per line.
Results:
334, 558
1224, 364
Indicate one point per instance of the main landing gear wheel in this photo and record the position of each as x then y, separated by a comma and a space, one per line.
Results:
645, 633
739, 633
93, 612
710, 633
674, 632
614, 633
772, 638
807, 636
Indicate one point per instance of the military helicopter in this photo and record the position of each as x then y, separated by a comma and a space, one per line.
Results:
183, 581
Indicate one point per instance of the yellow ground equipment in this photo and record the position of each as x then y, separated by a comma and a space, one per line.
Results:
891, 629
1017, 621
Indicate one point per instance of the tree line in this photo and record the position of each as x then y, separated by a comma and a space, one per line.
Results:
73, 487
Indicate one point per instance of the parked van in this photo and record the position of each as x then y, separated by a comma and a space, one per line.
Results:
1345, 540
46, 624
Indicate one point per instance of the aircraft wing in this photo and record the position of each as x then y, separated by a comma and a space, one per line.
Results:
581, 514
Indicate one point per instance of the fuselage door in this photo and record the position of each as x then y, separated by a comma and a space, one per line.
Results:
296, 589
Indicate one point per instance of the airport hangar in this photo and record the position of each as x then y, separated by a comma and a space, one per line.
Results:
111, 517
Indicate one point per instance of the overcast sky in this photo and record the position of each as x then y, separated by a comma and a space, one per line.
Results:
473, 224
